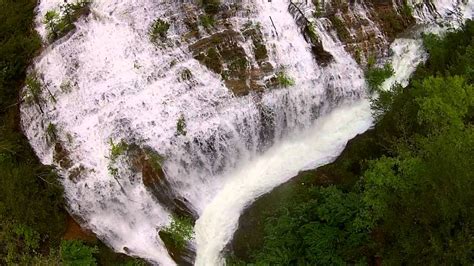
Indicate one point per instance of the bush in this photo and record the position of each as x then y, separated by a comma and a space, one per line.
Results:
375, 76
180, 231
284, 80
76, 253
158, 30
207, 21
210, 6
60, 23
181, 126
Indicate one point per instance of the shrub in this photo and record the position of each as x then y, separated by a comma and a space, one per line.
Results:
181, 126
284, 80
210, 6
117, 149
313, 35
60, 23
51, 133
159, 29
180, 231
375, 76
76, 253
207, 21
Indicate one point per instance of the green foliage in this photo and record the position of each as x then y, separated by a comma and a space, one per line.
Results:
180, 231
117, 149
51, 133
407, 9
76, 253
313, 35
341, 29
59, 23
32, 218
181, 126
34, 88
284, 80
375, 76
210, 6
158, 30
207, 21
316, 227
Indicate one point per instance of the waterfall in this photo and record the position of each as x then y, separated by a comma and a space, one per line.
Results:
110, 83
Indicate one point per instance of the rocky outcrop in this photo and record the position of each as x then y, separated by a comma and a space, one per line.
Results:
148, 162
223, 53
366, 27
309, 32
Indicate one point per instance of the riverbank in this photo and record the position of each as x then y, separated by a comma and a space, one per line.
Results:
345, 170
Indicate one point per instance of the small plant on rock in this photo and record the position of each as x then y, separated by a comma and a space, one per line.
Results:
284, 80
180, 231
181, 126
159, 30
375, 76
60, 23
117, 149
34, 88
207, 21
51, 133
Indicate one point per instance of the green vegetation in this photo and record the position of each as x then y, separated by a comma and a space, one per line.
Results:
59, 23
117, 149
313, 35
181, 126
180, 231
341, 29
207, 21
375, 76
407, 10
398, 194
284, 80
51, 133
210, 6
76, 253
34, 88
159, 30
32, 216
156, 159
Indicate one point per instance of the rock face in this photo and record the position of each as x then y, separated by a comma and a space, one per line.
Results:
365, 27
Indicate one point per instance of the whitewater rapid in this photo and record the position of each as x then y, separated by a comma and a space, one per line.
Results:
111, 83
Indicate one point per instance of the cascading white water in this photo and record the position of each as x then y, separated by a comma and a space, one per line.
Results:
111, 82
